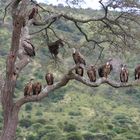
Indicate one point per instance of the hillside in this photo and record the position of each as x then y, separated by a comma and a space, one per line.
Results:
74, 112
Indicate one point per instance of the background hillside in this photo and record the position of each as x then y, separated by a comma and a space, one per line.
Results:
75, 112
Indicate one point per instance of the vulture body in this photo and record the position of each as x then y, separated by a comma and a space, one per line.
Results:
54, 47
91, 72
105, 70
34, 12
124, 74
78, 58
137, 72
49, 78
37, 88
28, 89
79, 70
29, 48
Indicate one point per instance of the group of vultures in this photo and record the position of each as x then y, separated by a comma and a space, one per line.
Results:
103, 71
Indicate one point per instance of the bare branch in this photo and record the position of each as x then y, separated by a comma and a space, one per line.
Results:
44, 27
44, 92
91, 40
5, 11
71, 76
110, 82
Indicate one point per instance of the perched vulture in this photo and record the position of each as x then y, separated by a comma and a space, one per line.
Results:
105, 69
124, 74
91, 72
37, 88
29, 48
137, 72
78, 58
34, 12
54, 47
79, 70
49, 78
28, 88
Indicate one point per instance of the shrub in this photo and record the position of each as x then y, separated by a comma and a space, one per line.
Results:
39, 113
25, 123
72, 113
74, 136
28, 107
69, 127
30, 137
88, 136
41, 120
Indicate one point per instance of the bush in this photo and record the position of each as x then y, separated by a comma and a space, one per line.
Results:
36, 126
88, 136
74, 136
72, 113
69, 127
39, 113
25, 123
131, 91
30, 137
41, 121
28, 107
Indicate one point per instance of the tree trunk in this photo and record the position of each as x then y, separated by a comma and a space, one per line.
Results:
10, 125
9, 109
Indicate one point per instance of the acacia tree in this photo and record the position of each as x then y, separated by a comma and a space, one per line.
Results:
115, 27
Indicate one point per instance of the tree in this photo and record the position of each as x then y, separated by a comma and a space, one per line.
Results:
114, 30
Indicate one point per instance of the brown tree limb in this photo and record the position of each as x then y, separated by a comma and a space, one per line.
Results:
71, 76
22, 63
44, 92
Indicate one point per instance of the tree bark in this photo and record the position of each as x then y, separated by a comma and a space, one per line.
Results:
9, 128
9, 110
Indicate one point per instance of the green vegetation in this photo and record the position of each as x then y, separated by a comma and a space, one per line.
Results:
74, 112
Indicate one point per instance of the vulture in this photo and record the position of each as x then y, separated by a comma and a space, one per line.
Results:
37, 88
28, 88
78, 58
124, 74
34, 12
91, 72
105, 69
54, 47
29, 48
49, 78
79, 70
137, 72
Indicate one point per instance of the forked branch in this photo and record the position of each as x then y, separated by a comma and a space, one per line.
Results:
71, 76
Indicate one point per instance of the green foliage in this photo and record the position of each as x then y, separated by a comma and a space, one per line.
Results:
31, 137
41, 120
28, 107
72, 113
69, 127
88, 136
74, 136
75, 112
25, 123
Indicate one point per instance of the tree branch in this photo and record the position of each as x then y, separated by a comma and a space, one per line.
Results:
22, 63
103, 80
44, 92
71, 76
